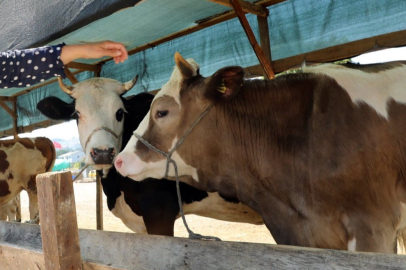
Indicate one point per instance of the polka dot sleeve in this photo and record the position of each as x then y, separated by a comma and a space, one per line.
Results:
23, 68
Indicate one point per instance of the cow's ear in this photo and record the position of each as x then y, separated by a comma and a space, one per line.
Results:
186, 69
56, 109
225, 84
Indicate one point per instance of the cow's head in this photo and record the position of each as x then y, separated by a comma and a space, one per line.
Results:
99, 110
174, 109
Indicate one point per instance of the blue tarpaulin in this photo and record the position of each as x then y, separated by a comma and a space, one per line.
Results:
295, 27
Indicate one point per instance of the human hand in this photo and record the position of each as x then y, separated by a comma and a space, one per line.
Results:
94, 50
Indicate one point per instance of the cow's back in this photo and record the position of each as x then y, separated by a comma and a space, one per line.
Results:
21, 160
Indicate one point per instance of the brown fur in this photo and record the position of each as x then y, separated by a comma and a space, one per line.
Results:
320, 169
3, 161
24, 161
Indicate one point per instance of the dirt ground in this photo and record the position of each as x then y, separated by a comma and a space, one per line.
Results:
85, 197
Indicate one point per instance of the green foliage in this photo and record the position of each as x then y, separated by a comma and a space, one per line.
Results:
61, 152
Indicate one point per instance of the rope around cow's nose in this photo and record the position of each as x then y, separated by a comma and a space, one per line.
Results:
169, 160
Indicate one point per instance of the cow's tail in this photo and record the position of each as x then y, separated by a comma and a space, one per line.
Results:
401, 236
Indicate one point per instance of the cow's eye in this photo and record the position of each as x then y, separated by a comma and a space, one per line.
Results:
120, 115
76, 115
161, 114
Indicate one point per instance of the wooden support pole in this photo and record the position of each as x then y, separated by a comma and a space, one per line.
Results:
70, 76
83, 66
266, 65
99, 203
7, 109
246, 7
59, 229
15, 124
264, 37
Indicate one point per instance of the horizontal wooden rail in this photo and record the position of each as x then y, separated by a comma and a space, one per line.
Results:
115, 250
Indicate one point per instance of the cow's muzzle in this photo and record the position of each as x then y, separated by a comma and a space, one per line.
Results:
102, 156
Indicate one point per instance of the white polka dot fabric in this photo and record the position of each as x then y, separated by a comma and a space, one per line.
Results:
23, 68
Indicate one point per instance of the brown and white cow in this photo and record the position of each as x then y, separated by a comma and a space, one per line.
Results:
321, 158
21, 160
11, 211
105, 120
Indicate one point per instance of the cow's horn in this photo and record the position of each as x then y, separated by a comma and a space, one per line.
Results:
128, 85
67, 89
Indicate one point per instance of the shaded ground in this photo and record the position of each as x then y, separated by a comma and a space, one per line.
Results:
85, 196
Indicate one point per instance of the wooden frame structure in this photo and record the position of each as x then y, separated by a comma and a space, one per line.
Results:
182, 253
63, 246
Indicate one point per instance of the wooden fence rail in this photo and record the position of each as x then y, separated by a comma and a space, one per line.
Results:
21, 248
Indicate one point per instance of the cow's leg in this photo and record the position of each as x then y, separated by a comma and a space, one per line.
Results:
3, 213
371, 235
33, 206
160, 223
18, 208
159, 215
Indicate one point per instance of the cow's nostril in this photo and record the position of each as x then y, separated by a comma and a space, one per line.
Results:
102, 156
118, 163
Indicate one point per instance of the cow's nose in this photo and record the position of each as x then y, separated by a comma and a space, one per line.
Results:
118, 163
102, 156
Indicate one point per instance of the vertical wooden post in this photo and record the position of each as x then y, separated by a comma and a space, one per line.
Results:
99, 203
99, 189
264, 40
59, 229
15, 131
266, 65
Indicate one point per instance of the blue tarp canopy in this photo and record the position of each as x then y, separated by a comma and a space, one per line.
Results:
153, 30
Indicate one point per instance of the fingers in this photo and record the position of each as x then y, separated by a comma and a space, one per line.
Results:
116, 50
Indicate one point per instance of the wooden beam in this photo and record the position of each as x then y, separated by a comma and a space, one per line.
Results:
99, 203
9, 99
247, 7
70, 76
7, 109
59, 227
83, 66
138, 251
15, 123
264, 37
207, 23
265, 63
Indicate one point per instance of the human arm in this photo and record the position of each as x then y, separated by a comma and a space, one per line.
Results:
23, 68
94, 50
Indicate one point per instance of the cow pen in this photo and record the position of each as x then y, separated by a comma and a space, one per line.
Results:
58, 244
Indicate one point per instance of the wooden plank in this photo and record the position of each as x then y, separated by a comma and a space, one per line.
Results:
15, 124
264, 37
7, 109
83, 66
59, 229
17, 258
137, 251
99, 203
8, 99
247, 7
70, 76
265, 63
207, 23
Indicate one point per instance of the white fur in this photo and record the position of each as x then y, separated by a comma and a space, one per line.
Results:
352, 244
375, 89
97, 101
137, 169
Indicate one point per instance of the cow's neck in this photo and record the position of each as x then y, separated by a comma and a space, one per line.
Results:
239, 137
